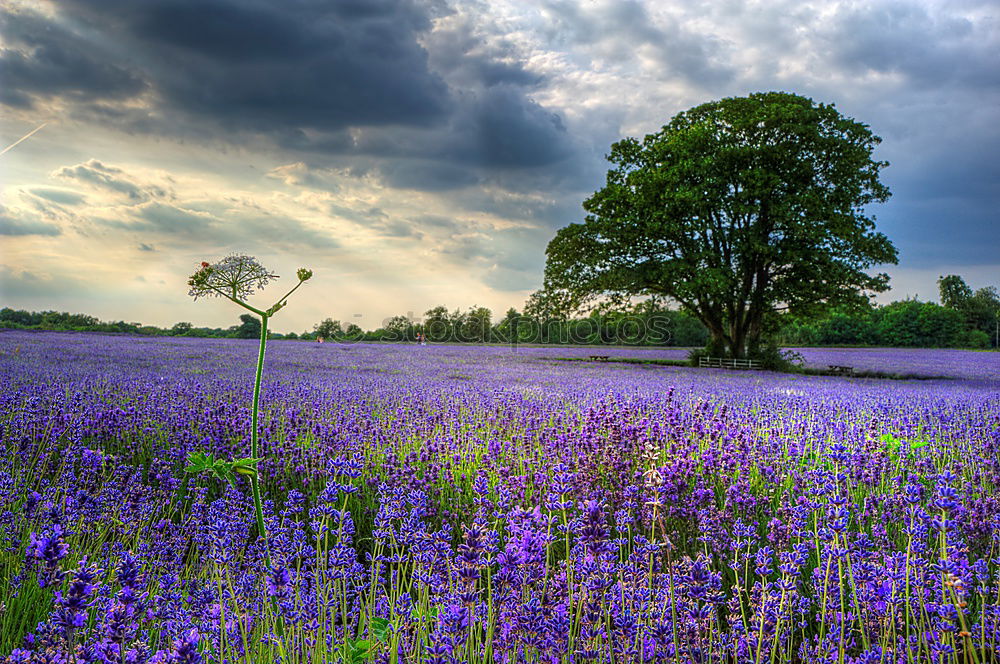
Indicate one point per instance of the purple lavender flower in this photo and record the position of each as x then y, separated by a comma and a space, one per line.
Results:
185, 650
278, 583
71, 607
46, 550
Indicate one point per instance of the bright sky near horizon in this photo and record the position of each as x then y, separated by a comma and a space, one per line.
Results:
424, 152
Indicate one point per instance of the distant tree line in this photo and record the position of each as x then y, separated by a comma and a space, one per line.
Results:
249, 327
642, 325
645, 324
964, 319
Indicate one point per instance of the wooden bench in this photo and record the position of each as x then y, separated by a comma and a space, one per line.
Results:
839, 370
599, 358
727, 363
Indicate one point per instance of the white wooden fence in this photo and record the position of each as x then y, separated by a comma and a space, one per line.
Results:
727, 363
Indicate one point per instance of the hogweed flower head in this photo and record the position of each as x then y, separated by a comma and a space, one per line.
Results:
235, 276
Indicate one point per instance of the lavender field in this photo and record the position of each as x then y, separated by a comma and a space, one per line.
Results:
477, 504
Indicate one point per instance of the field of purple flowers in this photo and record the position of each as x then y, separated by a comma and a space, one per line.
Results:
457, 504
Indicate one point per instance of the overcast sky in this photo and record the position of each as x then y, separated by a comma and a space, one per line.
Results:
422, 153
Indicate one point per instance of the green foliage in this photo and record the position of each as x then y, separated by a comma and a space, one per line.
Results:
731, 210
249, 327
329, 329
686, 330
662, 327
847, 329
976, 339
918, 324
983, 309
980, 310
399, 328
509, 328
381, 628
907, 323
67, 322
63, 321
355, 651
954, 291
199, 462
895, 450
353, 332
773, 358
437, 324
476, 325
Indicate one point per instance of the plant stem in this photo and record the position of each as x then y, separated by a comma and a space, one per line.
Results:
285, 296
254, 483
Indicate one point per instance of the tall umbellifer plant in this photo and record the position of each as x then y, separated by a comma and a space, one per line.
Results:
235, 277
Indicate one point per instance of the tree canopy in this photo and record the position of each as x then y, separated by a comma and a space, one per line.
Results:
249, 327
954, 291
737, 209
981, 309
328, 329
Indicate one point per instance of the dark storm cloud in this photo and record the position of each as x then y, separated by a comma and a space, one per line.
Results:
43, 59
491, 72
426, 175
943, 231
945, 179
504, 129
946, 202
492, 130
306, 75
267, 66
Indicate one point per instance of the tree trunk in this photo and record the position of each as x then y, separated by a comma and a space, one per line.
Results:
737, 348
753, 339
717, 343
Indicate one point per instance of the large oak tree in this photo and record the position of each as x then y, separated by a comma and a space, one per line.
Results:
736, 209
